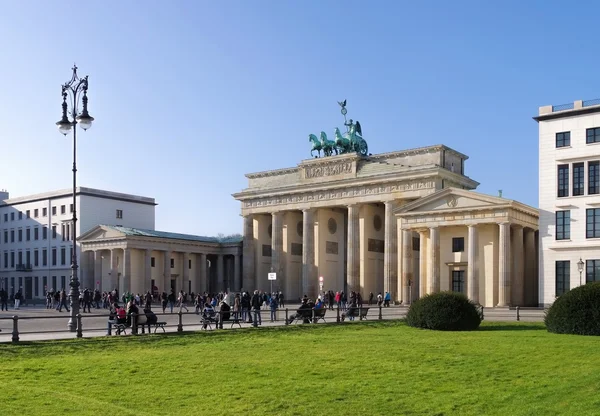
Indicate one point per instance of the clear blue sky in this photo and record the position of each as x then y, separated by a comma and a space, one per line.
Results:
189, 96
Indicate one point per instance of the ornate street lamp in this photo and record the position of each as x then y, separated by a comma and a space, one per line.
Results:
580, 265
75, 90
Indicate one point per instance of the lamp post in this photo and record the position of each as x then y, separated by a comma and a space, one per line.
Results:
75, 91
580, 265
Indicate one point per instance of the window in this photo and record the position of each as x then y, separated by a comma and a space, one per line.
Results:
592, 271
119, 214
44, 257
27, 234
28, 213
20, 215
63, 256
594, 177
563, 180
172, 263
54, 283
44, 232
36, 213
62, 231
53, 210
458, 281
28, 258
563, 225
44, 212
36, 233
54, 257
12, 216
68, 232
6, 236
36, 260
563, 139
20, 257
20, 234
578, 178
592, 223
5, 217
152, 261
54, 231
12, 236
71, 208
12, 259
458, 244
63, 209
45, 283
6, 260
592, 135
63, 282
36, 284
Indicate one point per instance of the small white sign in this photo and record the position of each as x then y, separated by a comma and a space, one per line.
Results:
272, 276
321, 279
320, 285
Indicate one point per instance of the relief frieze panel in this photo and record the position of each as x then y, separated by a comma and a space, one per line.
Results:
332, 169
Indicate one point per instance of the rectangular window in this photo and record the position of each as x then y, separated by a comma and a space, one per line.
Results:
594, 177
68, 232
12, 216
54, 257
36, 260
592, 271
119, 214
44, 212
458, 244
36, 213
36, 284
172, 263
71, 208
592, 223
28, 258
12, 259
53, 210
27, 234
45, 282
20, 257
63, 209
44, 232
6, 236
563, 139
36, 233
62, 231
458, 281
44, 257
28, 213
563, 225
578, 179
592, 135
63, 283
20, 234
563, 180
54, 283
63, 256
5, 217
5, 260
54, 231
152, 261
20, 215
12, 236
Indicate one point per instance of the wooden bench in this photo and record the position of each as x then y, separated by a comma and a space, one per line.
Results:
156, 326
208, 321
360, 313
119, 327
319, 315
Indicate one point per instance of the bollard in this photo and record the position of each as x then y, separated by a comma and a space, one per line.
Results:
15, 333
286, 316
134, 324
79, 327
518, 314
109, 328
179, 322
380, 316
337, 319
313, 315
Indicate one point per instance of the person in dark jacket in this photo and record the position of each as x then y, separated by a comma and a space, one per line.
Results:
256, 303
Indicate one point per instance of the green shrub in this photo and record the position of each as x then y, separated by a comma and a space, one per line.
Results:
444, 311
576, 312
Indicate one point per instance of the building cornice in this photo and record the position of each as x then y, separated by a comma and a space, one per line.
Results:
80, 191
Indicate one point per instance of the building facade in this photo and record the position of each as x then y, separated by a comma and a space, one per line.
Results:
569, 196
347, 222
36, 233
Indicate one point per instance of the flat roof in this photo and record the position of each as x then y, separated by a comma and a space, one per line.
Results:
99, 193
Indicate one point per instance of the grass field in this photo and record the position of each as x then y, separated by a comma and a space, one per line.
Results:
356, 369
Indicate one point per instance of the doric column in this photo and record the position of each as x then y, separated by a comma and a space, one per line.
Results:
249, 271
353, 266
185, 272
407, 266
433, 254
114, 269
308, 251
390, 254
423, 234
504, 265
202, 287
472, 264
517, 265
166, 284
126, 280
220, 273
530, 262
148, 270
98, 269
237, 272
277, 244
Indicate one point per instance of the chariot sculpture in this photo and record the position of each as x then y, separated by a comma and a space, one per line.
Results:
349, 142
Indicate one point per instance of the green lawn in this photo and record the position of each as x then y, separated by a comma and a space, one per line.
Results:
354, 369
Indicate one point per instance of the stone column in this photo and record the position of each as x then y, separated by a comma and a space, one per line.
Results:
530, 262
97, 269
220, 273
518, 266
308, 252
186, 272
148, 270
407, 266
114, 269
249, 253
433, 254
353, 266
166, 284
423, 280
390, 255
277, 244
472, 264
202, 272
126, 278
504, 265
237, 272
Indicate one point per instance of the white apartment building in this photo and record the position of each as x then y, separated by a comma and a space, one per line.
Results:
569, 197
36, 233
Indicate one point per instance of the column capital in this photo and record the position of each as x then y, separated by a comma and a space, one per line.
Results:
389, 204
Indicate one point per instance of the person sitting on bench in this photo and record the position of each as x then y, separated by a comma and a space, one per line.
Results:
304, 312
208, 315
351, 313
225, 311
